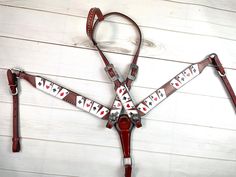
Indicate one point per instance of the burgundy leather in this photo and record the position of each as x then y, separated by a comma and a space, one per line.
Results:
12, 81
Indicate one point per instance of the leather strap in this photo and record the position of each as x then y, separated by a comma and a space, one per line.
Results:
124, 127
12, 81
90, 26
215, 61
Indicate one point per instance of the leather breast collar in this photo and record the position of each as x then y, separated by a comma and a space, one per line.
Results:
124, 114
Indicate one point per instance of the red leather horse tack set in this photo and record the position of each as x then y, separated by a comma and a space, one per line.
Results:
124, 114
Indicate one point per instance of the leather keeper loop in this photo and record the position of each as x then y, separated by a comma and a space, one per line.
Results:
133, 71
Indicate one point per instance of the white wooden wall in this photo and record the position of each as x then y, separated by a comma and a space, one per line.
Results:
191, 134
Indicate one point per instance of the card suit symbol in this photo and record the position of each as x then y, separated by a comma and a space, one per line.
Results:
161, 95
124, 98
128, 105
131, 114
54, 90
62, 93
150, 103
47, 86
182, 79
144, 109
118, 104
188, 74
155, 99
120, 90
39, 83
79, 101
177, 84
94, 108
102, 112
87, 105
194, 70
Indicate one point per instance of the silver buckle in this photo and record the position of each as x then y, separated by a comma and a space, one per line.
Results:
132, 66
16, 70
13, 94
116, 76
127, 161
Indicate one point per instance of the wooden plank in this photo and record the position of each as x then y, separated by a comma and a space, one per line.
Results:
103, 93
163, 137
66, 157
11, 173
70, 62
221, 5
168, 15
70, 31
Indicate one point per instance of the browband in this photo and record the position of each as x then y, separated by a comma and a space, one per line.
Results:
123, 122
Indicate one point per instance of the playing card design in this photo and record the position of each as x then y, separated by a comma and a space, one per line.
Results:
80, 100
87, 105
188, 75
48, 86
132, 112
141, 107
55, 89
176, 84
102, 112
161, 93
125, 98
120, 91
95, 108
148, 101
182, 78
62, 93
39, 83
194, 69
117, 104
129, 105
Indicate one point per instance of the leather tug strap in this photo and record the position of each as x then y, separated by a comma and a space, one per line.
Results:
13, 84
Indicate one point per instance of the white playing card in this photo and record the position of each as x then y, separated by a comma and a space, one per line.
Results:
87, 105
129, 105
141, 107
62, 93
120, 91
125, 98
55, 89
188, 75
95, 108
176, 84
194, 69
117, 104
48, 86
132, 112
155, 98
161, 93
181, 78
80, 100
39, 83
148, 101
102, 112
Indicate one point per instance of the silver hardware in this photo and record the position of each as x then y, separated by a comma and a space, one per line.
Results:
132, 66
16, 70
127, 161
221, 75
16, 92
116, 76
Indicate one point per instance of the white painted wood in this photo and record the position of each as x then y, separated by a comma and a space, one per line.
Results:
48, 159
160, 14
157, 44
48, 38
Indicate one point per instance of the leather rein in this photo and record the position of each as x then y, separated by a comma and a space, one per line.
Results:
123, 114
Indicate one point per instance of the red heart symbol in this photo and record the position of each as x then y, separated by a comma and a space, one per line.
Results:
62, 94
87, 105
177, 84
144, 109
128, 106
120, 90
47, 86
155, 99
101, 113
